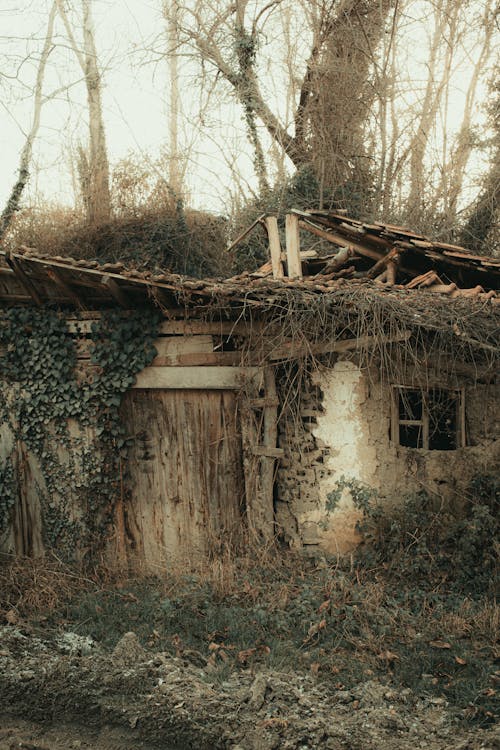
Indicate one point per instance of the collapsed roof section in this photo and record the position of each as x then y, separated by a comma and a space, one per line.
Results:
367, 257
391, 256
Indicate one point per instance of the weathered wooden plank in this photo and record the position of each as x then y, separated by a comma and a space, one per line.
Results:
199, 359
274, 246
184, 327
267, 452
291, 350
293, 246
341, 241
168, 348
185, 469
242, 235
219, 378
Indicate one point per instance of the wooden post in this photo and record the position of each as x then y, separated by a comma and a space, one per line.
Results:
274, 246
268, 463
293, 246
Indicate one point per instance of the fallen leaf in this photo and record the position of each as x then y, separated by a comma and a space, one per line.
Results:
213, 646
489, 692
387, 656
440, 644
324, 606
314, 630
274, 722
243, 656
12, 617
460, 661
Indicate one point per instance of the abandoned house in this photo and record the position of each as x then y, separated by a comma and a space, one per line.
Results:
148, 416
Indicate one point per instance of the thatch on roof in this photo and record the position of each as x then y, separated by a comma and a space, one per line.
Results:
333, 300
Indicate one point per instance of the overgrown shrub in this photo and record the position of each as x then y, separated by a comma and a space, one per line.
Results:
149, 228
416, 538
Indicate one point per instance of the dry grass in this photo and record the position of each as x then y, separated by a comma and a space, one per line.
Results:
30, 587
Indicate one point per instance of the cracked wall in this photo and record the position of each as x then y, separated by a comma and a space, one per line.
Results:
344, 432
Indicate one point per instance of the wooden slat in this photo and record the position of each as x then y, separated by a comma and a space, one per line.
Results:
242, 235
231, 378
294, 263
274, 246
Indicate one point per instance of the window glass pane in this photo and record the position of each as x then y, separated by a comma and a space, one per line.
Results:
443, 413
410, 403
410, 435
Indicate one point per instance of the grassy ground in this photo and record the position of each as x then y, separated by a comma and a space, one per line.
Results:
346, 623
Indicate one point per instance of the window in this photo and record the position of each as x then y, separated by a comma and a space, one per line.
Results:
432, 419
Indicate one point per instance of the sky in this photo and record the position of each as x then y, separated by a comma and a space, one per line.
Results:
135, 100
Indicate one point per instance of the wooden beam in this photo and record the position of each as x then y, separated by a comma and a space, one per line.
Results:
116, 292
242, 235
23, 279
341, 241
66, 288
291, 350
293, 246
202, 378
274, 246
168, 348
381, 264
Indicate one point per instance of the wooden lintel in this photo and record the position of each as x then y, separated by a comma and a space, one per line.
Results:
23, 278
66, 288
186, 327
116, 292
202, 378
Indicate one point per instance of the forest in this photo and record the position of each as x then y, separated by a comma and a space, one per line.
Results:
155, 132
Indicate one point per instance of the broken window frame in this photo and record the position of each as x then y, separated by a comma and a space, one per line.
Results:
423, 422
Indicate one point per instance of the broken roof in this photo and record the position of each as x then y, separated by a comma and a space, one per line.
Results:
383, 275
381, 255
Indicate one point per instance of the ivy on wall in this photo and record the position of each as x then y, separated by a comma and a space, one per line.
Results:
69, 422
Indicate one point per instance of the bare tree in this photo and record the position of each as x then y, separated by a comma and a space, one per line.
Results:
334, 97
93, 165
171, 12
14, 200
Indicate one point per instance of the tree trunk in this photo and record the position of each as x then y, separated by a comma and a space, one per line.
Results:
14, 200
95, 181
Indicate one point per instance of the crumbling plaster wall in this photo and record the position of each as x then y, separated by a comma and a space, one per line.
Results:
350, 428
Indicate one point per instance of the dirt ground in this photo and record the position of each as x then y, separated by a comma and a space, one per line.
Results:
64, 691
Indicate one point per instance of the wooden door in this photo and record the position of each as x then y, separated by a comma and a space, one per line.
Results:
184, 471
